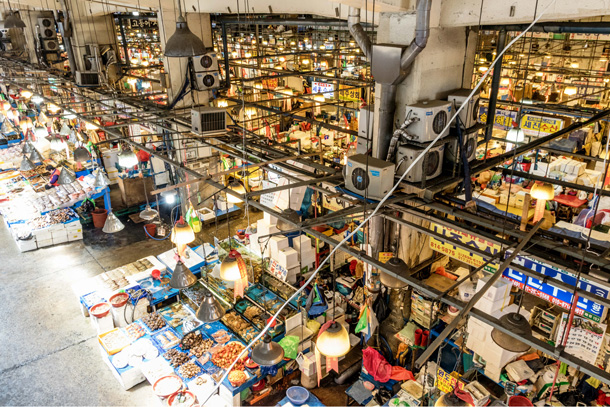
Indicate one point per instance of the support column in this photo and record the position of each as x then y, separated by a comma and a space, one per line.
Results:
495, 85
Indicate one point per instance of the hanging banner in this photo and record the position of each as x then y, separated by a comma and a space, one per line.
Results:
555, 295
323, 87
459, 253
504, 119
349, 94
142, 23
540, 126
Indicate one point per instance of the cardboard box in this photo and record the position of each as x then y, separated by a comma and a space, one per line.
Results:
301, 242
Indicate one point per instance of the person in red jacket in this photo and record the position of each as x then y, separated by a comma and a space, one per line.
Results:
54, 177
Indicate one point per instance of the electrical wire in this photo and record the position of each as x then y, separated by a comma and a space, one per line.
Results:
377, 208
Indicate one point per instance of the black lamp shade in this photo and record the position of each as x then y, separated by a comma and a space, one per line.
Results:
182, 277
292, 216
267, 353
183, 43
398, 266
517, 324
210, 309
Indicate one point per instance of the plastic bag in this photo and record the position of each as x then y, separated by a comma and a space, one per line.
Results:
316, 305
380, 307
290, 344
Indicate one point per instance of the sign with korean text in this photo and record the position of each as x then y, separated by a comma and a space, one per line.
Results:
459, 253
349, 93
446, 382
142, 23
277, 270
270, 83
323, 87
555, 295
385, 256
540, 126
504, 119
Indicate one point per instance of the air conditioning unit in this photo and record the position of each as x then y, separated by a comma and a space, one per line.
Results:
47, 26
365, 130
207, 80
470, 145
365, 175
50, 45
208, 120
87, 78
428, 167
433, 116
206, 63
470, 113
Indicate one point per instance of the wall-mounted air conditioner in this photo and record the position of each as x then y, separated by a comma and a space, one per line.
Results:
429, 167
208, 120
368, 176
432, 115
470, 113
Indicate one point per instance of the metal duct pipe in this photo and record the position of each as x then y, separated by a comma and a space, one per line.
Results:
568, 27
360, 36
422, 33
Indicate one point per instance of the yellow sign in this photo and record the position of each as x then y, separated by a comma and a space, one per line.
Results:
459, 253
446, 382
385, 256
540, 126
352, 95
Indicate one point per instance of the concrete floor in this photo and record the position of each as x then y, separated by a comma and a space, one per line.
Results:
50, 353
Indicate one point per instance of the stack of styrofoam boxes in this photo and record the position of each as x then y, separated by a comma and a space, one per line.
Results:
481, 343
496, 297
74, 230
306, 252
289, 259
44, 238
110, 158
59, 233
264, 227
27, 245
566, 169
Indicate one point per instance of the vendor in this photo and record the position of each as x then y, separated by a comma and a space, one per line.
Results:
54, 177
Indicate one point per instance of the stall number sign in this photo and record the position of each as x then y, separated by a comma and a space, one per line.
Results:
277, 270
504, 119
460, 254
540, 126
349, 94
446, 382
555, 295
141, 23
322, 87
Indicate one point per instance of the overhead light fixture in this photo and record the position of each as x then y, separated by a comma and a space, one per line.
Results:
127, 158
210, 309
182, 277
13, 21
57, 144
26, 164
232, 266
517, 324
397, 265
238, 188
6, 106
334, 342
27, 148
53, 108
570, 90
65, 177
26, 94
37, 99
267, 352
113, 224
148, 213
81, 154
290, 215
541, 193
505, 82
182, 233
514, 135
35, 156
100, 179
91, 126
183, 43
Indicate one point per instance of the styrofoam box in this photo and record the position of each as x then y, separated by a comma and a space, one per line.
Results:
27, 245
490, 307
57, 227
44, 242
59, 234
75, 236
129, 378
288, 258
60, 240
270, 219
499, 290
301, 242
42, 234
263, 228
277, 243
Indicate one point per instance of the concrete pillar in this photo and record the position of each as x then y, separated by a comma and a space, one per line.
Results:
176, 68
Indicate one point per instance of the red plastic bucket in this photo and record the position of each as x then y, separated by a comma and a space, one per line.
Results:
100, 310
99, 217
151, 228
518, 401
119, 299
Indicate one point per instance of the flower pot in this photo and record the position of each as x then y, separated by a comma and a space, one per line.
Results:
99, 217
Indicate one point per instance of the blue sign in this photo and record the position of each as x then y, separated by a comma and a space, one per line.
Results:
556, 295
505, 119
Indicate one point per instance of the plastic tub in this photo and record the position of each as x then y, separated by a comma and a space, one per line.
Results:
151, 229
167, 385
100, 310
118, 300
297, 395
182, 399
519, 401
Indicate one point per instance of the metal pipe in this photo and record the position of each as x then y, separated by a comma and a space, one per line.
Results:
495, 86
568, 27
422, 33
291, 22
357, 31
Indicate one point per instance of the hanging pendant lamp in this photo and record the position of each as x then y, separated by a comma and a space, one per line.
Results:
127, 158
334, 342
65, 177
65, 130
182, 277
267, 353
183, 43
210, 309
100, 179
13, 21
235, 187
291, 215
541, 193
182, 233
148, 213
397, 265
57, 143
517, 324
113, 224
27, 148
40, 132
232, 266
35, 156
26, 164
81, 154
